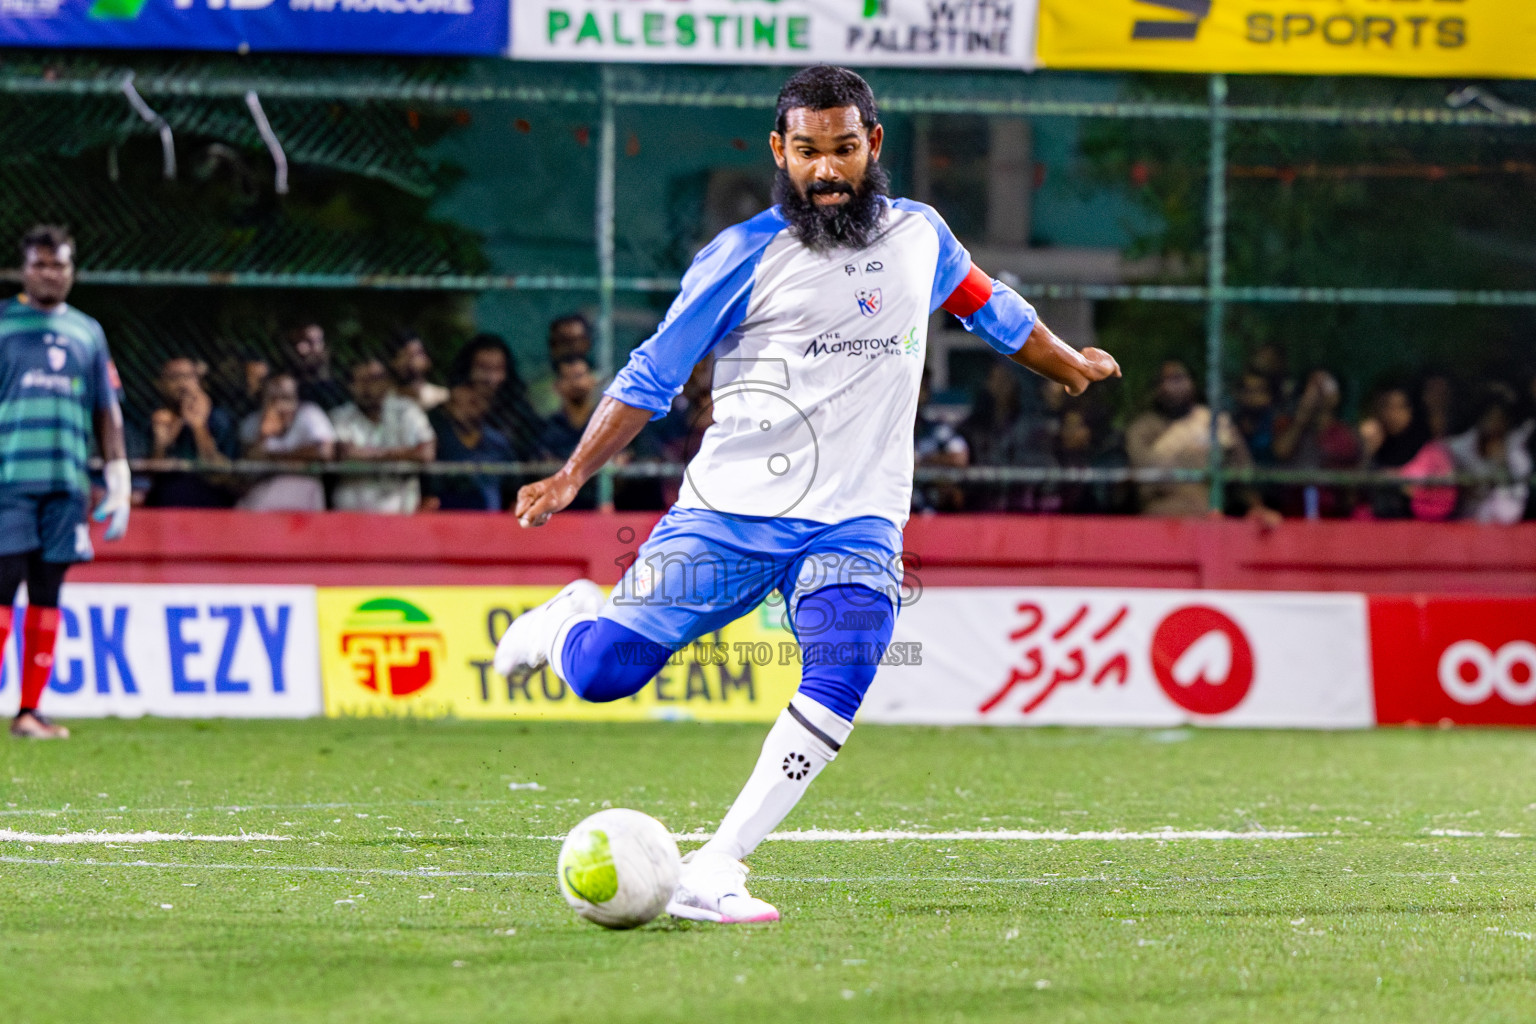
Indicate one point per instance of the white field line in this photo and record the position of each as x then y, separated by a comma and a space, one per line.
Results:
131, 838
53, 812
431, 873
89, 862
820, 835
817, 835
814, 835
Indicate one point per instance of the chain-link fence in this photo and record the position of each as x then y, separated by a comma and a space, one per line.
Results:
1372, 228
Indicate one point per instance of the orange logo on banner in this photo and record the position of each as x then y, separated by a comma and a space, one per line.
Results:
390, 649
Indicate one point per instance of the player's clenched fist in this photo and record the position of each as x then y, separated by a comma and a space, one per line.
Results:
537, 501
1101, 365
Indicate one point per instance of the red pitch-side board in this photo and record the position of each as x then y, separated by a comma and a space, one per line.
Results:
337, 548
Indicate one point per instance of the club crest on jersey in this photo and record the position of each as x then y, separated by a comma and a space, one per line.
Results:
869, 301
57, 357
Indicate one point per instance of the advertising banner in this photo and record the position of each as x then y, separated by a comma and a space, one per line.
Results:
908, 33
179, 652
1434, 38
426, 651
424, 27
1006, 656
1459, 660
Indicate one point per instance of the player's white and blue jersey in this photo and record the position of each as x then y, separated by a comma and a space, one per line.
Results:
804, 480
818, 361
55, 374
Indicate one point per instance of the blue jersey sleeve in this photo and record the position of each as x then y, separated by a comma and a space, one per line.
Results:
713, 301
954, 261
1005, 322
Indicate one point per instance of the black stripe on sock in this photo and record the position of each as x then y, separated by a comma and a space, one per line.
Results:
794, 713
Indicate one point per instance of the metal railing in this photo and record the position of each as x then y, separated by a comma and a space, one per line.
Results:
923, 475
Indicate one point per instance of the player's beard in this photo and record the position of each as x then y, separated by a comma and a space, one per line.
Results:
848, 225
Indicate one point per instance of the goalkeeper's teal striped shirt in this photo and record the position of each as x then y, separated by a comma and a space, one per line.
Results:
55, 373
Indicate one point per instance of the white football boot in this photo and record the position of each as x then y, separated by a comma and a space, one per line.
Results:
713, 887
525, 646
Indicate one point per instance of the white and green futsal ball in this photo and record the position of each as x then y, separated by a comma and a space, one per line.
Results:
619, 868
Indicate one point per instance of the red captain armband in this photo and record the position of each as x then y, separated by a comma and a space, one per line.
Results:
972, 294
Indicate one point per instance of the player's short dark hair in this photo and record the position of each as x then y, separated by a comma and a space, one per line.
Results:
46, 236
825, 87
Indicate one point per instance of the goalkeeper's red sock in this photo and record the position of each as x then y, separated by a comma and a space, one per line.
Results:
38, 636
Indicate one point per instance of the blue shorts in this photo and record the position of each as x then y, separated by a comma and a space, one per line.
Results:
701, 570
54, 523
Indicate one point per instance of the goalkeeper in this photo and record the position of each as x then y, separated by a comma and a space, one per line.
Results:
57, 386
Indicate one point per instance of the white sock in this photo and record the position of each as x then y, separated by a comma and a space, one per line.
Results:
557, 642
804, 740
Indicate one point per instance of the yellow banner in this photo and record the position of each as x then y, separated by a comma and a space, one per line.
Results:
1421, 38
426, 652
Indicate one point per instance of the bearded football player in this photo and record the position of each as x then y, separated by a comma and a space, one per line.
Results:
57, 388
816, 312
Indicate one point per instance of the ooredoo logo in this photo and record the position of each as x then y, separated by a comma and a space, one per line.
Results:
1202, 660
392, 646
1471, 673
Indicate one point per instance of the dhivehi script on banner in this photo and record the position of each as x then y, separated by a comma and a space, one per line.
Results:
922, 33
1059, 656
1412, 38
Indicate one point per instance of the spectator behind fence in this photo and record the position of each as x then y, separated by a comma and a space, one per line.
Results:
1256, 416
309, 358
464, 436
1270, 362
1010, 425
378, 426
286, 429
187, 425
409, 364
1391, 437
569, 335
1495, 445
1084, 441
1315, 438
577, 387
1437, 399
486, 364
938, 444
1176, 434
236, 382
1257, 411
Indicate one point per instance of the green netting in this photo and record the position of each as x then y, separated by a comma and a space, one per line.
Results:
457, 195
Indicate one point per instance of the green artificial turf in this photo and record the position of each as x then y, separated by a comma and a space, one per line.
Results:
1375, 918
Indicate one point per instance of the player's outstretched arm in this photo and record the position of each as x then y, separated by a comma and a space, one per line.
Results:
1055, 360
991, 310
610, 430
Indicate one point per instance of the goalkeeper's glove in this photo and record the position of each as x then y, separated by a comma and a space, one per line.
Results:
119, 499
